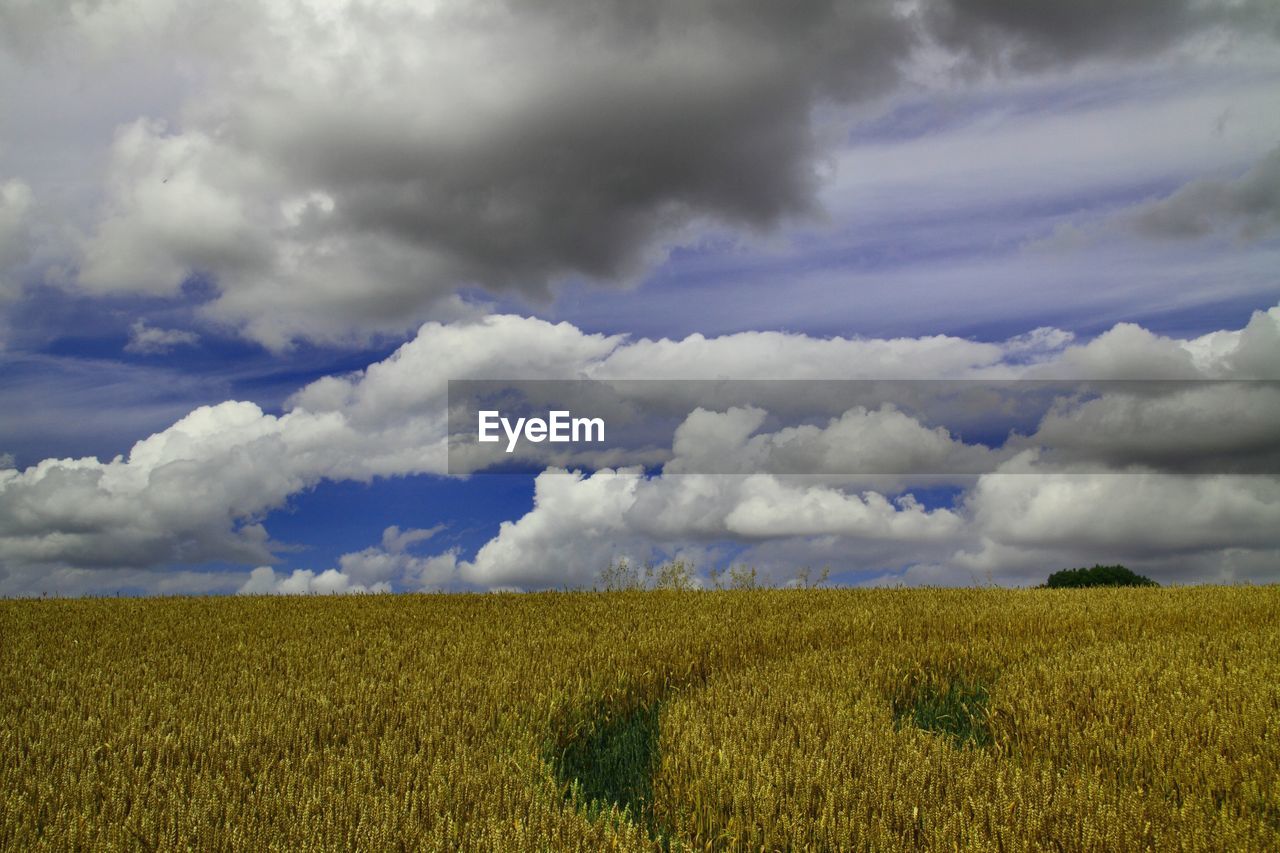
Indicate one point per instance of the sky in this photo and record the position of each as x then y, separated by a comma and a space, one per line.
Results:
245, 246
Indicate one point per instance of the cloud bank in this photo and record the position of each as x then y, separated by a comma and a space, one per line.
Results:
338, 170
198, 491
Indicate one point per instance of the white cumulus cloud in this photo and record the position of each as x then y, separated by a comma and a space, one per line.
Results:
199, 490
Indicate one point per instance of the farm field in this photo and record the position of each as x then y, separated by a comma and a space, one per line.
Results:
1120, 719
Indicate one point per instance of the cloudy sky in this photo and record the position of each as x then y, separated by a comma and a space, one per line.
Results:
244, 246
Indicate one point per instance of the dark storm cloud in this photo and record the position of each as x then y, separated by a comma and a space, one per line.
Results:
345, 169
577, 133
634, 118
1037, 33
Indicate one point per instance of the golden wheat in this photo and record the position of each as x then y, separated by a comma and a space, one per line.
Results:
1126, 719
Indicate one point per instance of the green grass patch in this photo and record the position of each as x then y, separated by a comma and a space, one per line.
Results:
955, 708
610, 762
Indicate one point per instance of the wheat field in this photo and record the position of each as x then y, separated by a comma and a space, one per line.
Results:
980, 719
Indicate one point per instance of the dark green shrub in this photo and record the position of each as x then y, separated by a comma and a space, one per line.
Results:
1097, 576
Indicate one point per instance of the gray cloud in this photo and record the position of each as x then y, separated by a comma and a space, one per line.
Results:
1029, 516
1189, 427
151, 340
1037, 33
1244, 208
340, 174
1248, 205
363, 168
15, 203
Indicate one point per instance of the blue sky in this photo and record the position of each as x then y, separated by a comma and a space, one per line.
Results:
260, 237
